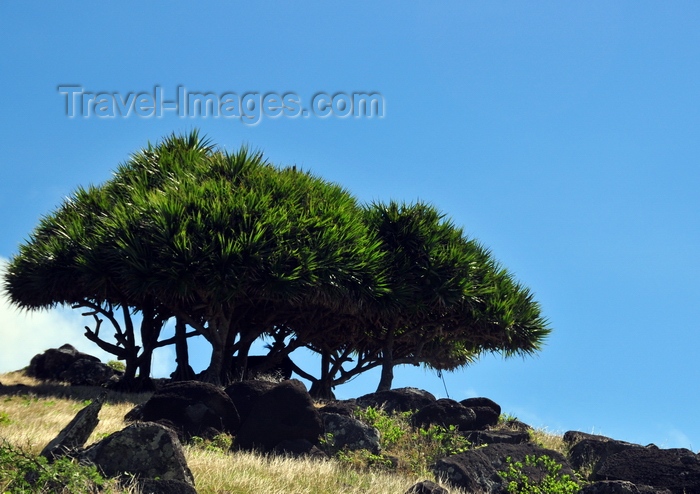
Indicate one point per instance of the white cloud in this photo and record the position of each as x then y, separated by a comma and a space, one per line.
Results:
23, 334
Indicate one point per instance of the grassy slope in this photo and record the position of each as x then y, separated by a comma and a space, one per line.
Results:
33, 416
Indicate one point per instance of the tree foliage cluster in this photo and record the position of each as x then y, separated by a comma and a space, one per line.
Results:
235, 249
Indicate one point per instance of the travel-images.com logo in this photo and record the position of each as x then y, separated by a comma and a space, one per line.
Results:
249, 107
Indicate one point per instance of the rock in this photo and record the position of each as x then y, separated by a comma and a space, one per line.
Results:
397, 400
620, 487
87, 372
285, 412
299, 448
74, 435
341, 407
482, 402
445, 412
478, 438
146, 450
350, 434
427, 487
193, 407
485, 417
243, 394
153, 486
477, 470
54, 361
587, 451
675, 469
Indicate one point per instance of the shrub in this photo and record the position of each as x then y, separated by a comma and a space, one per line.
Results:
405, 448
117, 365
21, 472
553, 483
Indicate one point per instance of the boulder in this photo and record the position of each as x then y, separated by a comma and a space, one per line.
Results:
54, 361
194, 408
482, 402
397, 400
620, 487
478, 470
348, 433
160, 486
285, 412
426, 487
588, 451
145, 450
74, 435
87, 372
445, 412
477, 438
243, 394
675, 469
340, 407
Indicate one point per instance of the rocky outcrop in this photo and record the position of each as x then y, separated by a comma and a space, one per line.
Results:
478, 470
285, 412
69, 365
675, 469
348, 433
146, 450
620, 487
446, 413
193, 408
397, 400
588, 451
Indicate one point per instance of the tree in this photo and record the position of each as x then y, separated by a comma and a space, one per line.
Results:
447, 301
65, 262
229, 243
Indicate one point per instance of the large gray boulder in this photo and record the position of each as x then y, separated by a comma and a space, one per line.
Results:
285, 412
76, 433
348, 433
145, 450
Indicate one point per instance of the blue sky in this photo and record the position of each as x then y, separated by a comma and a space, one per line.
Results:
564, 136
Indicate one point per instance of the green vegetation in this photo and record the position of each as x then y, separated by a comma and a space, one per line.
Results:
404, 448
22, 472
117, 365
554, 482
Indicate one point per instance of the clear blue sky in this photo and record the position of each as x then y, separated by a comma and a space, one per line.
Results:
565, 136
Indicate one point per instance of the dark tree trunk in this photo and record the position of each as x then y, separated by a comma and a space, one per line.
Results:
240, 372
322, 388
387, 376
183, 372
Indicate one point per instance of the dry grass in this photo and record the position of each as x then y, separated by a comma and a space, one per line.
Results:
32, 413
243, 473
